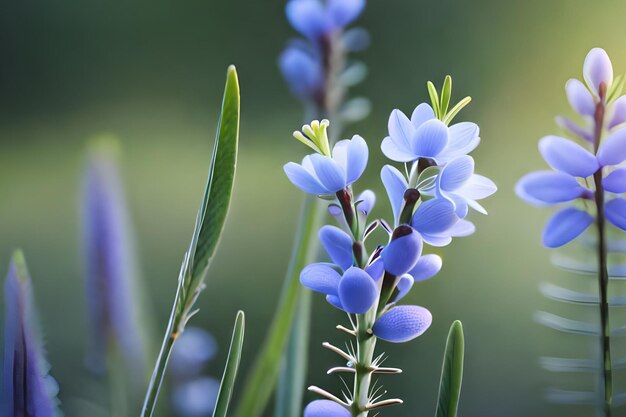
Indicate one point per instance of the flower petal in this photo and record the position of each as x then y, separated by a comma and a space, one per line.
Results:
422, 113
430, 138
597, 69
426, 267
367, 200
357, 291
334, 301
566, 156
302, 179
615, 182
329, 173
462, 228
395, 151
548, 187
618, 108
343, 12
477, 188
463, 138
579, 98
402, 253
301, 70
396, 186
402, 323
456, 173
338, 245
615, 211
376, 269
320, 277
308, 17
564, 226
325, 408
434, 216
567, 124
404, 286
613, 148
437, 240
400, 128
357, 158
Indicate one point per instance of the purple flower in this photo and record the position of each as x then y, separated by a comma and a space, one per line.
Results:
325, 408
196, 397
321, 174
402, 323
424, 136
110, 272
403, 252
315, 19
27, 389
302, 69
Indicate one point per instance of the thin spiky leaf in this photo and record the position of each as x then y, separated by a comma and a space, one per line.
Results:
232, 365
452, 372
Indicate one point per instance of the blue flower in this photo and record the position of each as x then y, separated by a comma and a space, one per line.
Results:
325, 408
321, 174
110, 273
402, 253
402, 323
196, 397
27, 389
315, 19
424, 136
302, 69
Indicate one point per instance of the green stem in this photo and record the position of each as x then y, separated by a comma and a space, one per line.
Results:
603, 274
366, 344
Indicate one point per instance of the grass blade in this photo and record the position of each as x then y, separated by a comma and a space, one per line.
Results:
232, 365
452, 372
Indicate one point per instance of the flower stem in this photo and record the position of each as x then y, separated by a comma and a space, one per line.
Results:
603, 275
366, 343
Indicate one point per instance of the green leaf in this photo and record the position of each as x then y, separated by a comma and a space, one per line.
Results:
232, 365
434, 98
456, 109
446, 93
216, 199
452, 372
617, 86
262, 378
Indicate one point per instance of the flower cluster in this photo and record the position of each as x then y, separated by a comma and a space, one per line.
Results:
589, 169
430, 203
314, 66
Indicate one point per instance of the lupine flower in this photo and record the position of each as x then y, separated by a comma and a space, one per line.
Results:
424, 136
302, 69
402, 323
196, 397
328, 174
110, 271
315, 19
27, 388
572, 164
325, 408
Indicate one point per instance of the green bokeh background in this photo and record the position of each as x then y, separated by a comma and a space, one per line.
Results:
152, 72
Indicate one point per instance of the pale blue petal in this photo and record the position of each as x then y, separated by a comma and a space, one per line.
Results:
402, 323
613, 149
325, 408
597, 69
338, 244
195, 397
309, 17
301, 70
564, 226
434, 216
430, 138
477, 188
329, 173
320, 277
302, 179
566, 156
404, 286
421, 114
376, 269
615, 211
395, 185
577, 130
615, 182
400, 129
357, 291
438, 241
343, 12
580, 98
367, 200
357, 158
462, 228
548, 187
456, 173
402, 253
397, 152
618, 109
463, 138
427, 267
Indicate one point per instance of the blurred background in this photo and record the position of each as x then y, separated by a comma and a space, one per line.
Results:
152, 73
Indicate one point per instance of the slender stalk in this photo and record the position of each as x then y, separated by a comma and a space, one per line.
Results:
603, 275
366, 343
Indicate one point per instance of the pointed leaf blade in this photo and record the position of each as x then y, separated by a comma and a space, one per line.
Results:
232, 365
452, 372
